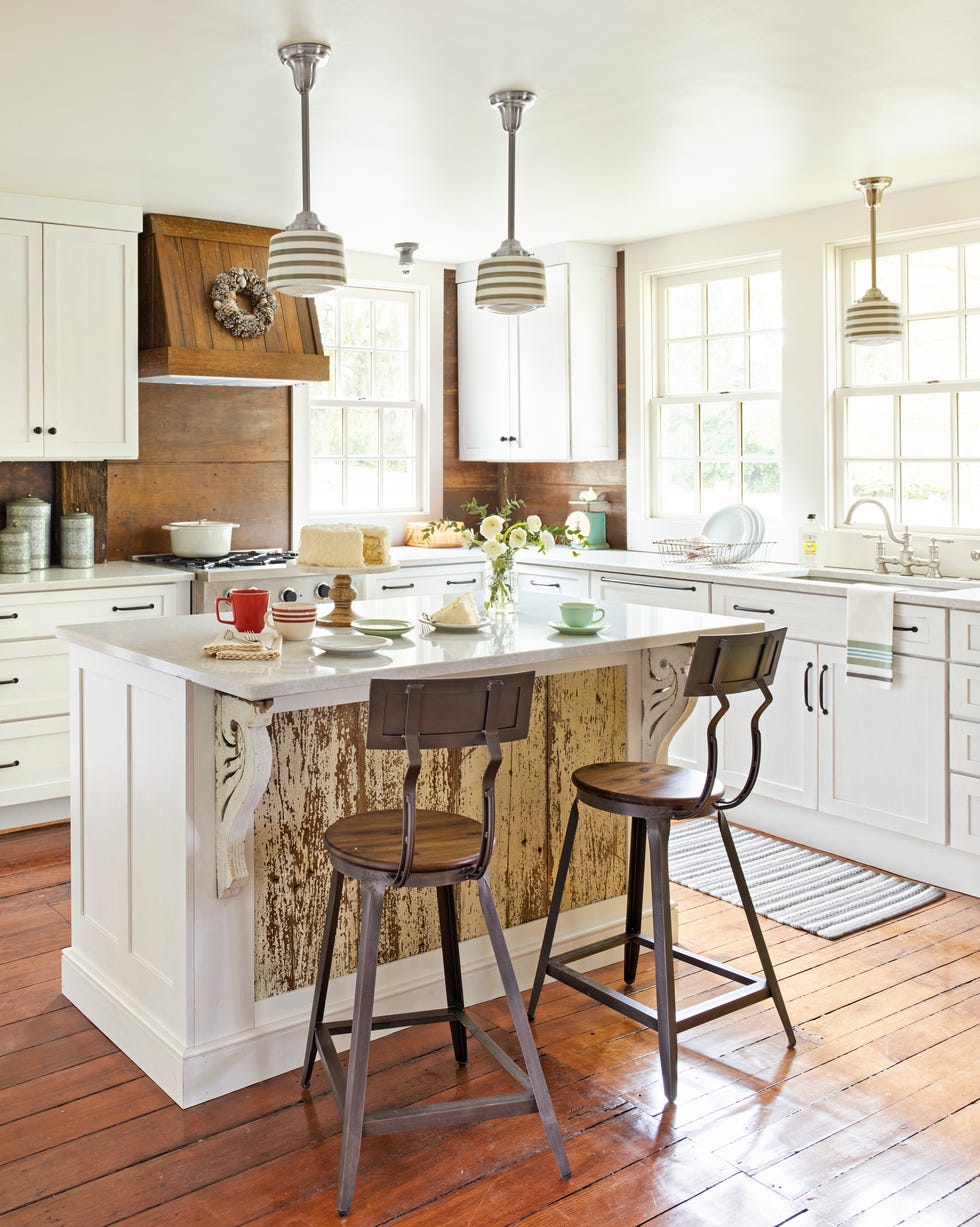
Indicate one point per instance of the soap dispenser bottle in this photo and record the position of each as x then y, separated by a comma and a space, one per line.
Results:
810, 534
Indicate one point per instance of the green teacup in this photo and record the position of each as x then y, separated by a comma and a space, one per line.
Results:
581, 613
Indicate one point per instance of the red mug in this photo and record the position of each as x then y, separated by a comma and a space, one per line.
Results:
248, 608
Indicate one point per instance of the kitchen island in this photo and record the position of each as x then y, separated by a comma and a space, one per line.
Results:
201, 788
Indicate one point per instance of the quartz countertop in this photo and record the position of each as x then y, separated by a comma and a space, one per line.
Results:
173, 646
103, 575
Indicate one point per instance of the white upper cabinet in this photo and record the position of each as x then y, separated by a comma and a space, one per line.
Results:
542, 386
68, 343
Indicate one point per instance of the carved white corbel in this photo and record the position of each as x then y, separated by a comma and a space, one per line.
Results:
664, 706
243, 764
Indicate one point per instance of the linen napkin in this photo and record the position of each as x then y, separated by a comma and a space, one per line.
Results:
869, 634
230, 645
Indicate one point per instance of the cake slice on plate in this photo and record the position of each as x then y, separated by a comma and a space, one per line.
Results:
461, 611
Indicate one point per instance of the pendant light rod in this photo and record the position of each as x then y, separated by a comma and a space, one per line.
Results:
873, 188
304, 106
302, 59
511, 176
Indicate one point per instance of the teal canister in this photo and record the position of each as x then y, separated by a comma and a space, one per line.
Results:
77, 539
15, 550
34, 514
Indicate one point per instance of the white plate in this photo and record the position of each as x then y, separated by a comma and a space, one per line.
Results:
427, 622
733, 525
349, 645
758, 533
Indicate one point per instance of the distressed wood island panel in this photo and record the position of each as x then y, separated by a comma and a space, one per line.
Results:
321, 771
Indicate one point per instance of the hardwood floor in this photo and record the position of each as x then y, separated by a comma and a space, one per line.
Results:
874, 1119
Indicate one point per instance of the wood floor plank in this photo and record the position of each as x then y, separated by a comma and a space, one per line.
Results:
30, 1001
739, 1199
17, 1037
65, 1085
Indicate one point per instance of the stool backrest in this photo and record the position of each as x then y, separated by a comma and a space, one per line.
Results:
733, 664
448, 713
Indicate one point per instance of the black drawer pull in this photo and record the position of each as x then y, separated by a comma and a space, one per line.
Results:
15, 763
395, 587
7, 617
541, 583
455, 583
749, 609
914, 630
820, 694
636, 583
9, 681
806, 686
131, 608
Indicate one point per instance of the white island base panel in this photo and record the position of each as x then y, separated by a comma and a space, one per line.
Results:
163, 956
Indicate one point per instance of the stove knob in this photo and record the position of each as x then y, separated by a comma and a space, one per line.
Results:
229, 591
322, 591
289, 594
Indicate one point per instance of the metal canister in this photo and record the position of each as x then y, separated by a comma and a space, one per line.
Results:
34, 514
15, 550
78, 539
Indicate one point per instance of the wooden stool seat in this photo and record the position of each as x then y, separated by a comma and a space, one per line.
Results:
641, 785
653, 796
444, 842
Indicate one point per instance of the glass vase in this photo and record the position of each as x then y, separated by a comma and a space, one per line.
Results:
500, 586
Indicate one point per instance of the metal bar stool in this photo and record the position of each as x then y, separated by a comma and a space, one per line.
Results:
653, 796
412, 847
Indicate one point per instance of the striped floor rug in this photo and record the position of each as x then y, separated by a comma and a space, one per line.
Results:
808, 890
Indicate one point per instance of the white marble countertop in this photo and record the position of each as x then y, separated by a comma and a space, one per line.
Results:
173, 646
103, 575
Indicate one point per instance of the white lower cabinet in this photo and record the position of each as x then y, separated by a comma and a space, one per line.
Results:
447, 580
964, 731
651, 590
567, 583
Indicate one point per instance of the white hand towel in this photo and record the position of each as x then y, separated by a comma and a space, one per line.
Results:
870, 617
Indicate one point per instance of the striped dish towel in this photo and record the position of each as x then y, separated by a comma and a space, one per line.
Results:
869, 634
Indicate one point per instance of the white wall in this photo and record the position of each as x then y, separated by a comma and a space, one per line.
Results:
804, 243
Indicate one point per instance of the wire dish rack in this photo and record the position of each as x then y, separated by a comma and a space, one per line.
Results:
699, 552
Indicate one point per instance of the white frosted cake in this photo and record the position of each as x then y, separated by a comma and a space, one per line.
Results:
344, 545
377, 552
461, 611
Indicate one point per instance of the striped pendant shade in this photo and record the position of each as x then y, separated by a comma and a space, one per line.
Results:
873, 320
511, 285
306, 262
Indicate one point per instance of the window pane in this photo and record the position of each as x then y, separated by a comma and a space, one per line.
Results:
760, 478
968, 415
398, 426
933, 281
719, 429
726, 363
926, 493
934, 349
678, 486
327, 431
355, 322
765, 360
362, 432
924, 425
391, 376
869, 428
326, 313
726, 305
362, 485
765, 301
354, 374
328, 387
684, 310
684, 367
870, 479
760, 428
969, 476
326, 484
972, 262
397, 484
678, 430
973, 347
875, 364
889, 277
719, 484
391, 325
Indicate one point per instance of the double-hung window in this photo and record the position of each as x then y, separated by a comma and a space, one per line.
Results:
907, 416
714, 425
364, 431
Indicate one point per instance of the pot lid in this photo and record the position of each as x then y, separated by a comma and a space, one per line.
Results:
201, 524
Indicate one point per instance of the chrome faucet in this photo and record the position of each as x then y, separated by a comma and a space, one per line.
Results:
904, 560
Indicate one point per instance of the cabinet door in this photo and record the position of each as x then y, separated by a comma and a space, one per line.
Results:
487, 382
789, 732
543, 408
883, 749
90, 346
592, 362
21, 351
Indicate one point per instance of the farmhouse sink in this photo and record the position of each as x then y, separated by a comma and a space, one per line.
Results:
835, 575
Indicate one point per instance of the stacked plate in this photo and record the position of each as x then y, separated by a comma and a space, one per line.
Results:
736, 525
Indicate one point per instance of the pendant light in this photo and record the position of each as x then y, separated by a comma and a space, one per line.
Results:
406, 257
305, 259
873, 319
511, 281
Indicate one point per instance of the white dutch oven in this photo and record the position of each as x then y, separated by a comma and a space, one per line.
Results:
200, 538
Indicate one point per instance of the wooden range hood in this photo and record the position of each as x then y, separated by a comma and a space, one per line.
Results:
180, 339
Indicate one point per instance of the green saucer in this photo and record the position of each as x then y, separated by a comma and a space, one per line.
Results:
564, 629
388, 628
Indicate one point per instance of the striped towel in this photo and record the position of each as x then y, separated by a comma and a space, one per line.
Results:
869, 634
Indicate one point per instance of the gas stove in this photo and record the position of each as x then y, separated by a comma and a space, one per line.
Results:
236, 560
275, 570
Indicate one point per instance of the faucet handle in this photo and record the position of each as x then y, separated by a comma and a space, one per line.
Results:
873, 537
941, 540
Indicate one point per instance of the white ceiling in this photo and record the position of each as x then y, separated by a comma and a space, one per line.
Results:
652, 117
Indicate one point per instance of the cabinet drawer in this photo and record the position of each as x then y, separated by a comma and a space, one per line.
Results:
819, 618
553, 581
33, 760
919, 630
964, 636
35, 615
964, 691
33, 679
420, 581
964, 813
654, 590
964, 747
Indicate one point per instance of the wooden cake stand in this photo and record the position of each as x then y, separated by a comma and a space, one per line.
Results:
343, 594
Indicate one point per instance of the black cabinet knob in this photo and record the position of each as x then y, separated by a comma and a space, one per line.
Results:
38, 430
52, 430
